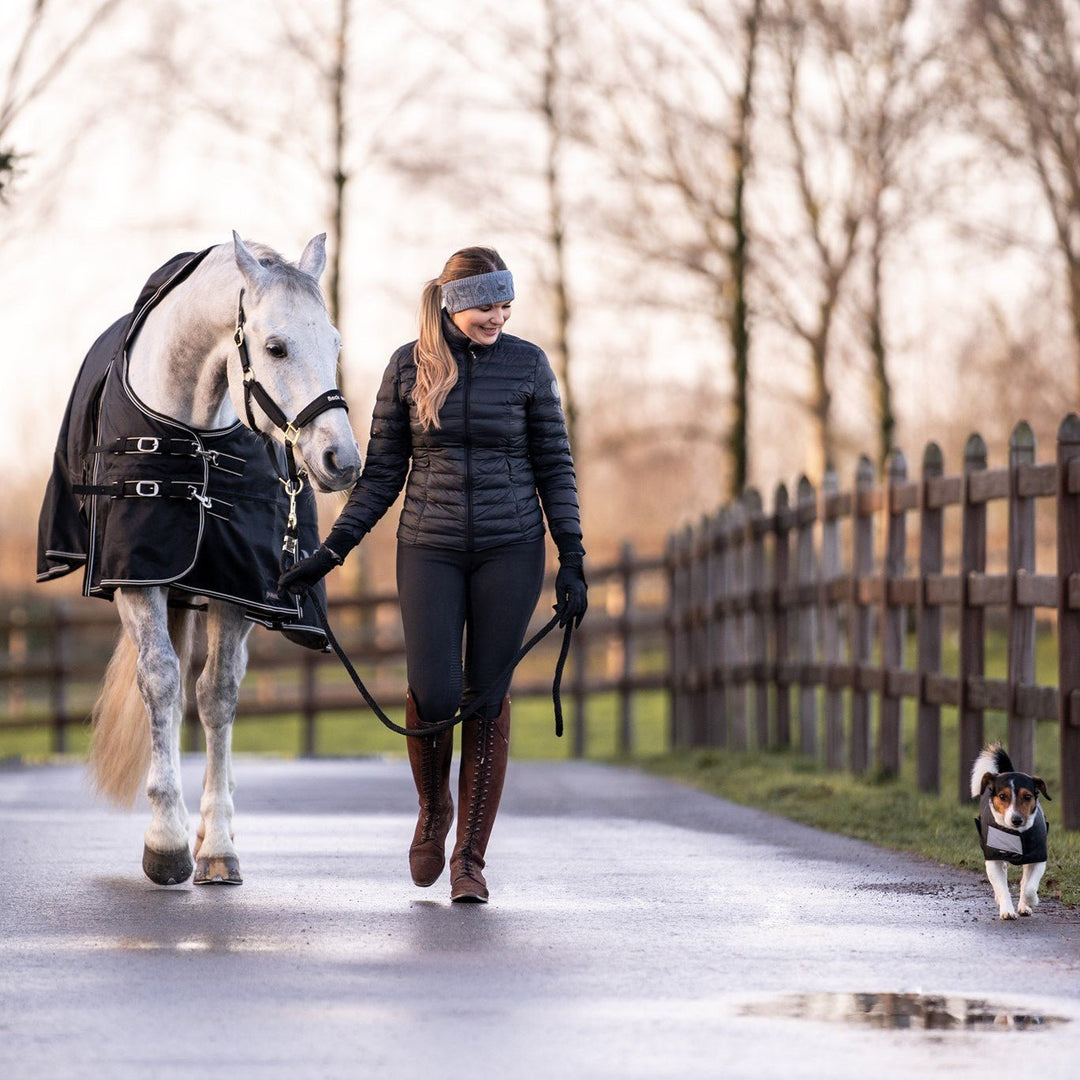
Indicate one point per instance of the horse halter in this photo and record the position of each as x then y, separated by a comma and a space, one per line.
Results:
328, 399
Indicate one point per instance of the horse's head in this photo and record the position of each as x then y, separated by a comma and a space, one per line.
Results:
292, 347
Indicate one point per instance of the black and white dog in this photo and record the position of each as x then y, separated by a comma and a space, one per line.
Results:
1012, 827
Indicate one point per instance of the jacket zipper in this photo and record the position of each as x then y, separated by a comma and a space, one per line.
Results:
470, 356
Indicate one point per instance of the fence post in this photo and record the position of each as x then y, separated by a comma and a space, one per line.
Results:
679, 578
862, 619
735, 638
578, 691
59, 686
700, 602
782, 573
625, 739
671, 633
717, 658
758, 615
806, 574
17, 649
1068, 541
1021, 620
831, 571
309, 706
972, 661
894, 619
931, 563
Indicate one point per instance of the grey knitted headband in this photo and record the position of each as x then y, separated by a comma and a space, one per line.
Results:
480, 290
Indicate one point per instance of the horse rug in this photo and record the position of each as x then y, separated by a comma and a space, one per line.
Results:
137, 499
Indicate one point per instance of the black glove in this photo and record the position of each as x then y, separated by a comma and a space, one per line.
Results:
302, 575
571, 592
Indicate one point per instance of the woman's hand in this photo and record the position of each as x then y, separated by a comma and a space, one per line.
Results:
571, 592
301, 576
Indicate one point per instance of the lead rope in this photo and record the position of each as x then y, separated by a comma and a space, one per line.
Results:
478, 703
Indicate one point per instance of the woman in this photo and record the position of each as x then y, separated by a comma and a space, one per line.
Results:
471, 415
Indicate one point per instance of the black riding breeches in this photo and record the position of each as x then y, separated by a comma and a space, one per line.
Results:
487, 598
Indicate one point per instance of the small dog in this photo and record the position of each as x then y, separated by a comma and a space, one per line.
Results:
1012, 827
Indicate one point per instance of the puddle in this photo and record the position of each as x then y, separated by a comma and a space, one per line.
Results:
921, 1012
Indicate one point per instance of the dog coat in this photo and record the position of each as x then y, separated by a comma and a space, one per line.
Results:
1008, 845
137, 499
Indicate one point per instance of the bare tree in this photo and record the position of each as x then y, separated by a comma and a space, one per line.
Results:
888, 85
552, 108
677, 130
1027, 104
809, 255
41, 50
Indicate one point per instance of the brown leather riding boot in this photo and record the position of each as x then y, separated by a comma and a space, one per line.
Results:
485, 746
430, 761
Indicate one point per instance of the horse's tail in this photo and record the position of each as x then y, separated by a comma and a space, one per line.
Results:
120, 737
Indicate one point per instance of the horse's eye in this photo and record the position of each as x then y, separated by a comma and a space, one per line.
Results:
277, 349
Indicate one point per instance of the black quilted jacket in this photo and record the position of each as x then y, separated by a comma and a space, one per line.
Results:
478, 480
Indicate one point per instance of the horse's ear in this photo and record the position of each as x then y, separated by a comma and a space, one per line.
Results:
249, 266
313, 261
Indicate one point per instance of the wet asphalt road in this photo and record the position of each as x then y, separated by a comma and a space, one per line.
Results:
636, 929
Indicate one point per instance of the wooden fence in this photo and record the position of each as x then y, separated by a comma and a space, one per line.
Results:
815, 600
56, 652
816, 623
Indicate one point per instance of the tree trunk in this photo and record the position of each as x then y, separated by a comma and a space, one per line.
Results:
738, 437
878, 352
556, 219
339, 178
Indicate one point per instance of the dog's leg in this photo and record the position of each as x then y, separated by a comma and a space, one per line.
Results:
997, 875
1029, 887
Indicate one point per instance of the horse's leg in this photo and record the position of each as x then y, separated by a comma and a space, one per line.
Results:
144, 614
217, 690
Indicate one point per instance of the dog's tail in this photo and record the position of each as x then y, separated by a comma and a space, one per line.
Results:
992, 760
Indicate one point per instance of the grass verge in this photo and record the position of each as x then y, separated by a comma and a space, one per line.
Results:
889, 813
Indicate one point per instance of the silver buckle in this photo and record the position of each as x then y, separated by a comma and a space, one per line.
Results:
147, 444
147, 489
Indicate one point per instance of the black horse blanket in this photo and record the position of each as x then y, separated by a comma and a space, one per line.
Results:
137, 499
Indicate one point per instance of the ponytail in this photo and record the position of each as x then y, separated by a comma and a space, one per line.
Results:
436, 372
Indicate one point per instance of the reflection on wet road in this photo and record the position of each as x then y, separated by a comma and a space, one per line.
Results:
636, 929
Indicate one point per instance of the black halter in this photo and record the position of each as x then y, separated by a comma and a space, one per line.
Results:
328, 399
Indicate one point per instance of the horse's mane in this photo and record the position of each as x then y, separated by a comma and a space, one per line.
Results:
284, 272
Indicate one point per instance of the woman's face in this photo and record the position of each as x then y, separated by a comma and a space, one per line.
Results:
482, 324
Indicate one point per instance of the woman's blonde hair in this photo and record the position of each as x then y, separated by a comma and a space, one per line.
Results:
436, 371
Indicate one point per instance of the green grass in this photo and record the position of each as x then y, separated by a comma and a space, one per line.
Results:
360, 734
888, 813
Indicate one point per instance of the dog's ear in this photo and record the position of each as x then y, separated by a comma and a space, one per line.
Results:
987, 780
1040, 786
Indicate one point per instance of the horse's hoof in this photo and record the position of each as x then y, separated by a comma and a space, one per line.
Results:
218, 870
167, 867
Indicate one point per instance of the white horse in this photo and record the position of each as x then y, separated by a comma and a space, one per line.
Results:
185, 364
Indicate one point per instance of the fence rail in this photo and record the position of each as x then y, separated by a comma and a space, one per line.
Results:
813, 624
56, 653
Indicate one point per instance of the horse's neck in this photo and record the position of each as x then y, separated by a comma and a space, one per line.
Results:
177, 363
